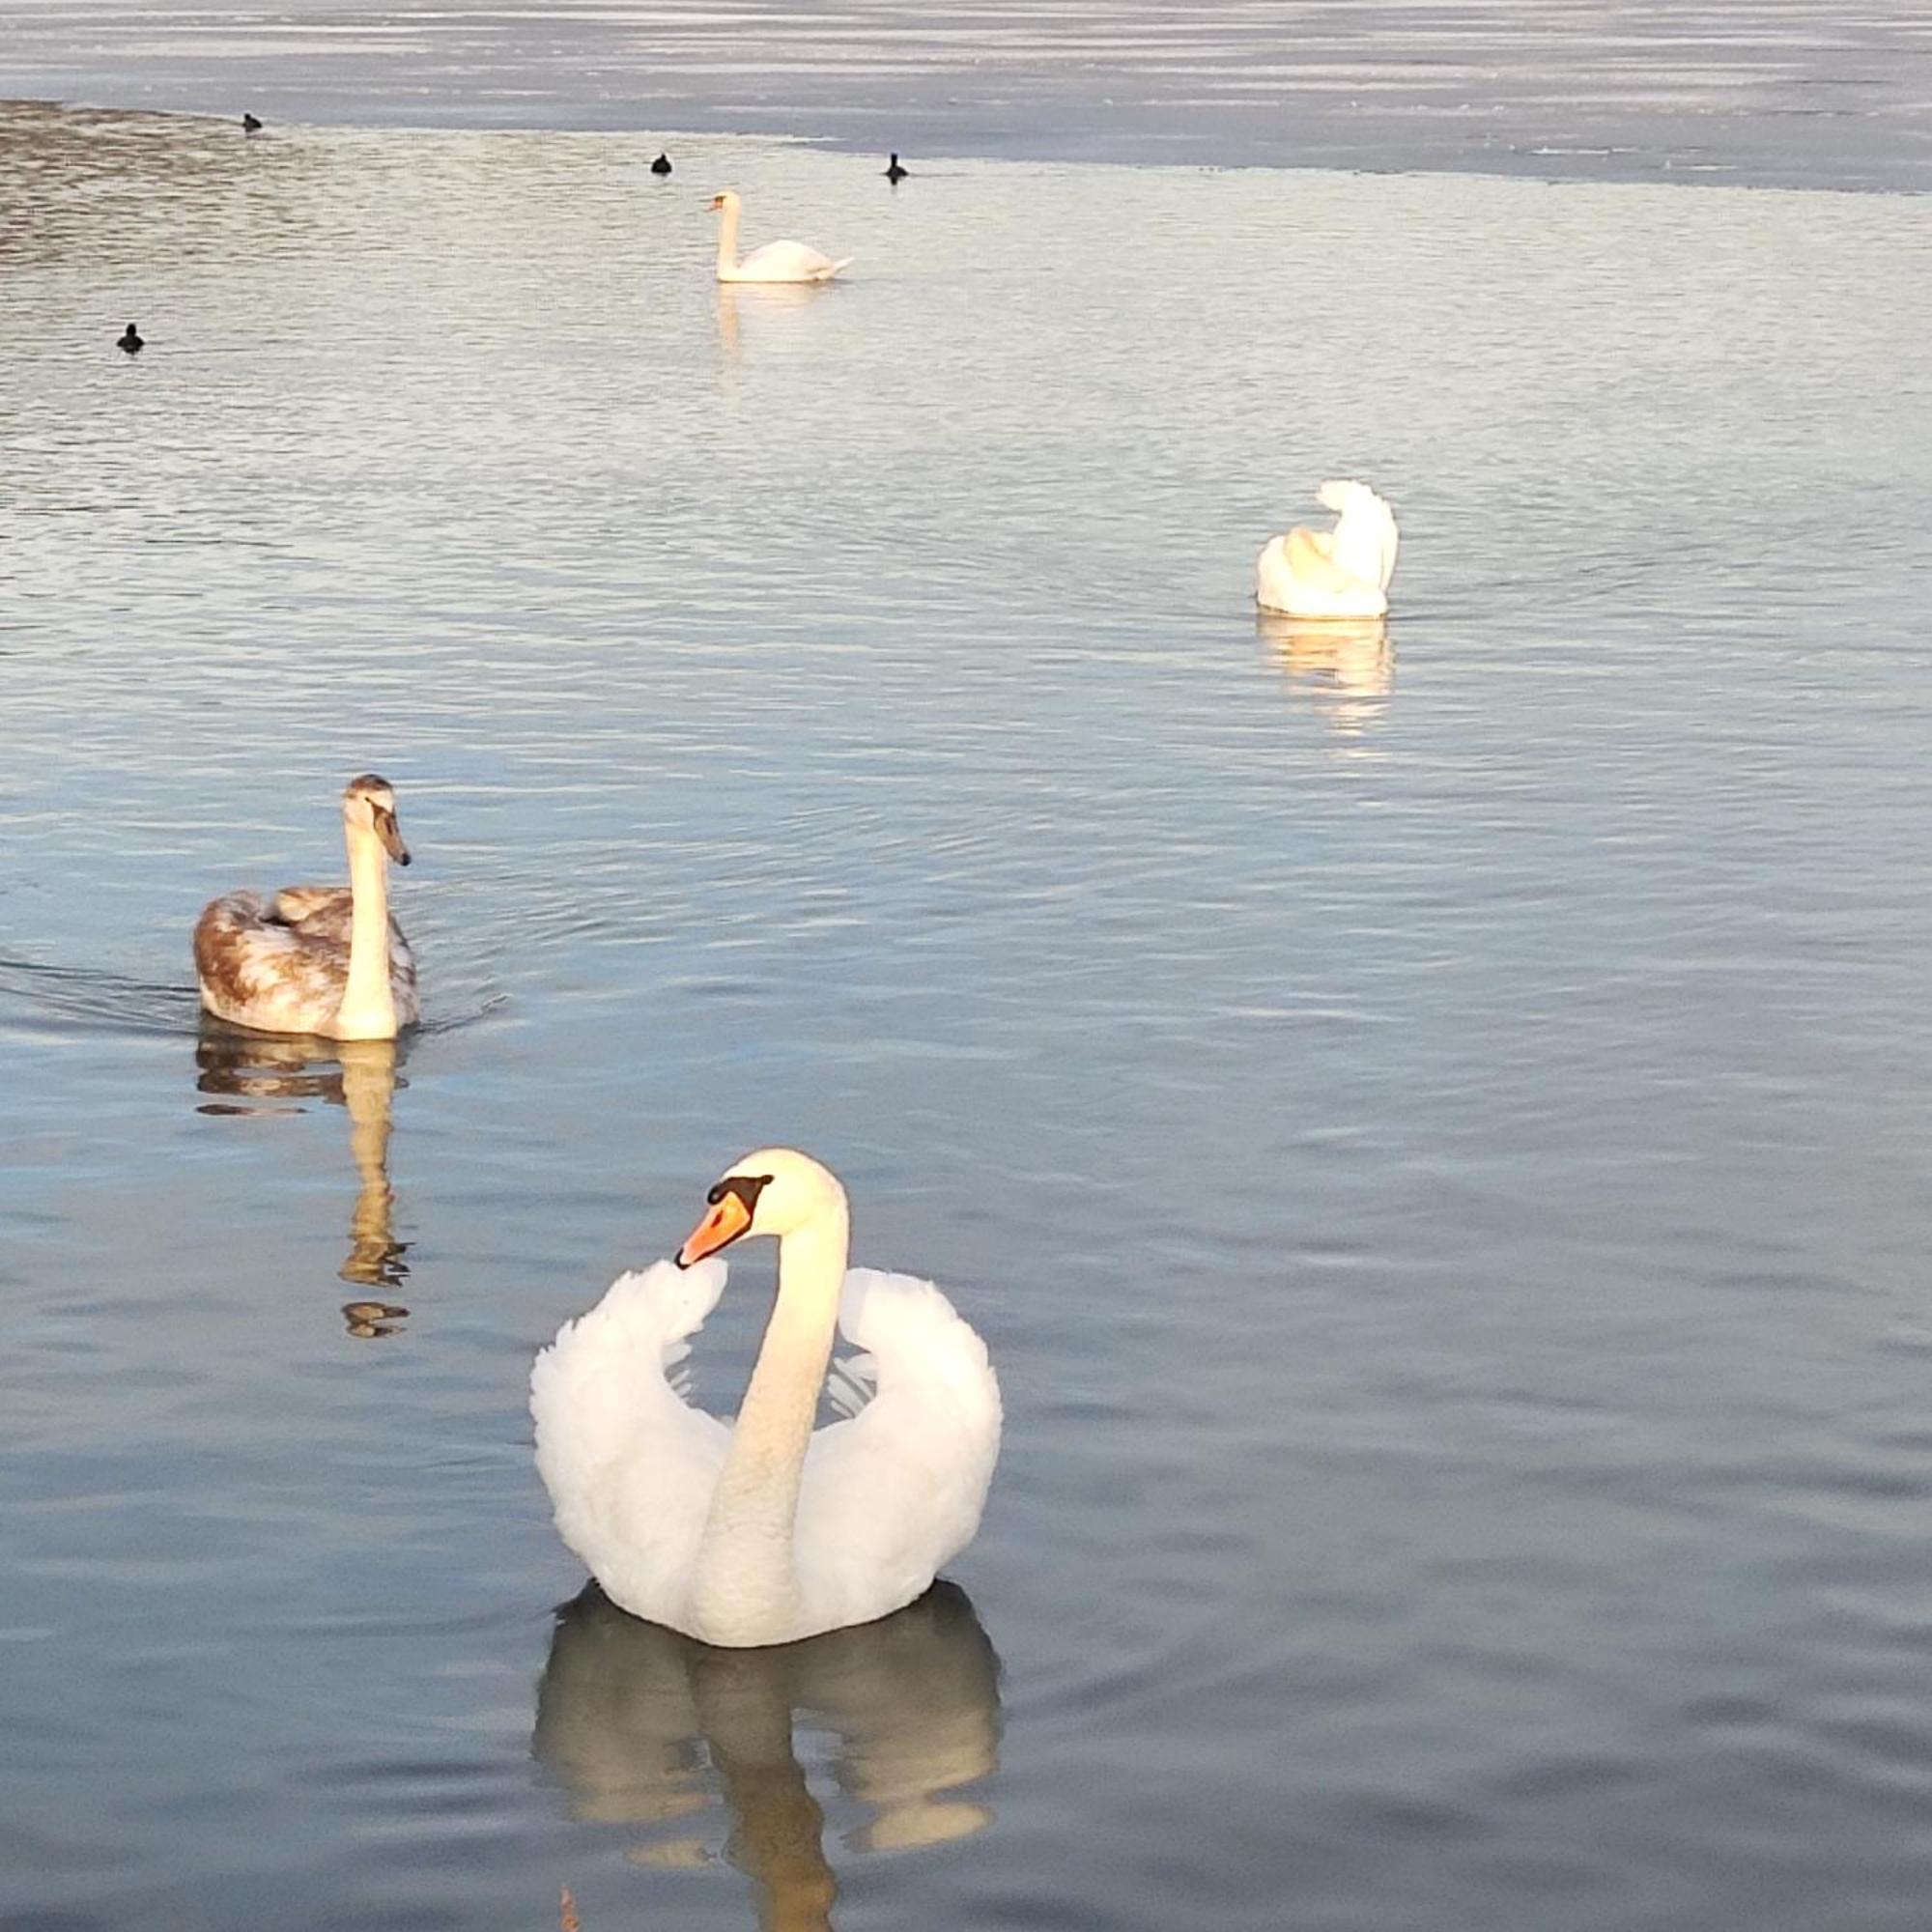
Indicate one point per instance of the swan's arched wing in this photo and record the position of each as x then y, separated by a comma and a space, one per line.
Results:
1389, 542
894, 1493
1365, 538
629, 1465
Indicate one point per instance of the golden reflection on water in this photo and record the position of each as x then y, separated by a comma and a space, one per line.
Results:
642, 1726
738, 299
1343, 667
255, 1070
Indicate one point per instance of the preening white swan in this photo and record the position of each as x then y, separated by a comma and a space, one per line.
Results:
318, 959
763, 1531
775, 261
1339, 573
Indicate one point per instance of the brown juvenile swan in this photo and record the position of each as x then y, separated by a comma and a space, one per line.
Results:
318, 959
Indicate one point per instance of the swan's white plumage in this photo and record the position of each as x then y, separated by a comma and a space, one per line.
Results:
1339, 573
630, 1465
886, 1497
895, 1491
774, 261
785, 262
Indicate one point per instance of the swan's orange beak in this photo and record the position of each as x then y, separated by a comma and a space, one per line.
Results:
729, 1218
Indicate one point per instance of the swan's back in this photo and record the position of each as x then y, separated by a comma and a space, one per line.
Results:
786, 262
282, 965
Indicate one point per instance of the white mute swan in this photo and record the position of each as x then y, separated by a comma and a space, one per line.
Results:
318, 959
1339, 573
775, 261
763, 1531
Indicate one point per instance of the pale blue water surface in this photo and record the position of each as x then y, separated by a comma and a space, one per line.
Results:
1795, 93
1433, 1128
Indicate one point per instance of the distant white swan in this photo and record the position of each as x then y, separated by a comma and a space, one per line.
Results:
318, 959
763, 1531
1339, 573
775, 261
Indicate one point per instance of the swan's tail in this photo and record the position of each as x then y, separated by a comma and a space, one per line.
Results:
838, 268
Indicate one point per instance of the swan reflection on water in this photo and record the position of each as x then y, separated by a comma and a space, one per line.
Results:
642, 1726
757, 298
1345, 666
253, 1070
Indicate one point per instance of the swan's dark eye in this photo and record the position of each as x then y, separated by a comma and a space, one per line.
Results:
746, 1186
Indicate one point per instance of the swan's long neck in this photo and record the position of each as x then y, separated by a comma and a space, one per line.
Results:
368, 1009
727, 240
746, 1583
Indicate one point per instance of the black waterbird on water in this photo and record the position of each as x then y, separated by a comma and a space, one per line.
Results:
130, 340
660, 166
895, 173
249, 124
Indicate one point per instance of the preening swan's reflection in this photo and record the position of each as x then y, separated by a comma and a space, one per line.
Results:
642, 1726
257, 1069
1344, 666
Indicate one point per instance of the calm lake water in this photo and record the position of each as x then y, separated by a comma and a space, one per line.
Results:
1796, 93
1434, 1126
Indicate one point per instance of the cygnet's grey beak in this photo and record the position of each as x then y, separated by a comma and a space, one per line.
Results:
390, 834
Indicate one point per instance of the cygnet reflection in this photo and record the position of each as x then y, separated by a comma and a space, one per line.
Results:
253, 1072
642, 1726
1344, 668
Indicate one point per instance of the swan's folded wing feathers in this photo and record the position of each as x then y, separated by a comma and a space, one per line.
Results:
329, 906
253, 969
1310, 556
787, 260
403, 976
